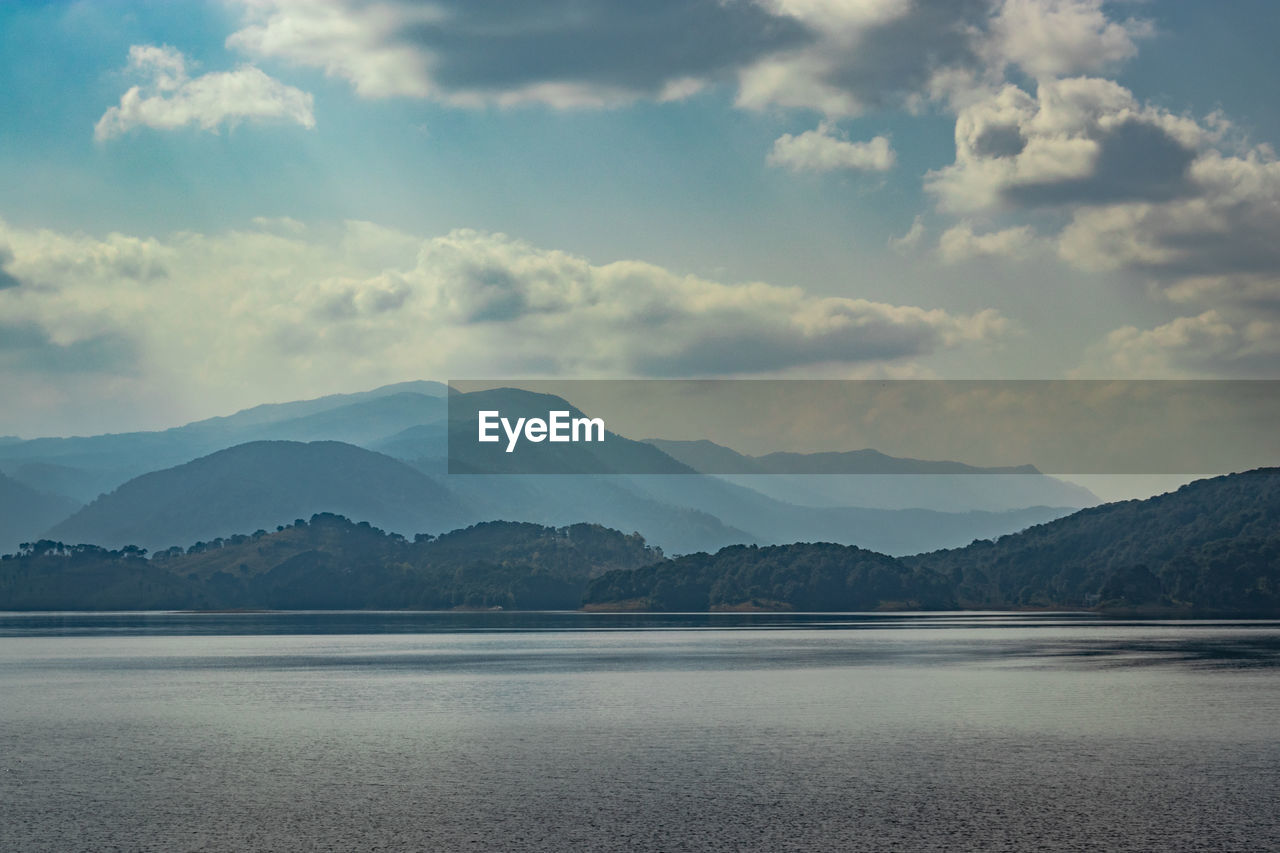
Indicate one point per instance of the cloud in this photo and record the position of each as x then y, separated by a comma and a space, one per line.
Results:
822, 150
907, 243
1218, 245
6, 279
960, 243
1060, 38
566, 53
877, 54
1207, 345
169, 98
868, 55
839, 58
1077, 141
1141, 190
242, 316
29, 347
287, 224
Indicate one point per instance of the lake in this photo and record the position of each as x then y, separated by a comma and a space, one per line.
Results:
603, 732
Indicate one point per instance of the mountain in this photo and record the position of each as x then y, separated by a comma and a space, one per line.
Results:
619, 483
711, 458
361, 422
637, 486
267, 484
83, 467
612, 501
1211, 546
426, 445
868, 478
890, 531
270, 413
25, 511
261, 485
328, 563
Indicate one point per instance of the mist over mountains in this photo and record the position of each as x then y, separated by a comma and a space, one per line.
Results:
262, 484
873, 479
382, 456
24, 509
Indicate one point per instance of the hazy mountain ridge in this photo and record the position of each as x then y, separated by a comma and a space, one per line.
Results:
24, 509
263, 484
711, 458
684, 512
873, 480
681, 511
82, 467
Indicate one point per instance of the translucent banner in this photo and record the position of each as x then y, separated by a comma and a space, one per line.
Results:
753, 427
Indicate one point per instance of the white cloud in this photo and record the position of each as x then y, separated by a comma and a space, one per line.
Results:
840, 58
867, 54
354, 42
1059, 38
1077, 141
960, 243
1217, 245
1140, 189
329, 308
593, 53
822, 150
169, 98
1206, 345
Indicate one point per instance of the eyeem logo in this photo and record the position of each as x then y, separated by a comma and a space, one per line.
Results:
558, 426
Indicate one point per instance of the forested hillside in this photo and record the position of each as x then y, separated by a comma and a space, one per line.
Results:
1213, 545
327, 563
811, 577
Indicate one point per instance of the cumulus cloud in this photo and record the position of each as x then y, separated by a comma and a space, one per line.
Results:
840, 58
871, 54
823, 150
170, 98
7, 280
882, 53
1060, 38
341, 307
961, 243
1140, 189
1216, 245
566, 53
1206, 345
1077, 141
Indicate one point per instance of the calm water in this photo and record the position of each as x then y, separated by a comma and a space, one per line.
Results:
443, 732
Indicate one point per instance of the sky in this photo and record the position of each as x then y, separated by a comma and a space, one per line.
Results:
206, 206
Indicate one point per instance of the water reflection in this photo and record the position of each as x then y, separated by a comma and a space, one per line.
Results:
441, 641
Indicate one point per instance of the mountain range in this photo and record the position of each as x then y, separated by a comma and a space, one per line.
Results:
383, 456
1210, 548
